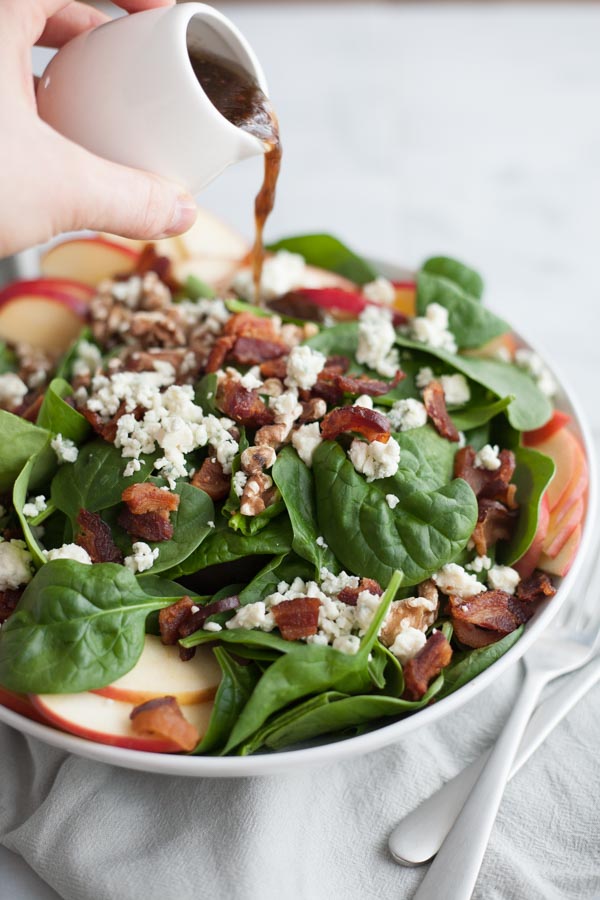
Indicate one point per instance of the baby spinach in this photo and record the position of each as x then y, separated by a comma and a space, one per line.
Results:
65, 366
533, 474
190, 527
8, 359
425, 530
327, 252
339, 340
20, 441
295, 482
77, 627
249, 525
58, 416
466, 278
475, 416
196, 289
465, 666
19, 499
529, 409
242, 637
237, 683
284, 567
471, 323
206, 393
95, 481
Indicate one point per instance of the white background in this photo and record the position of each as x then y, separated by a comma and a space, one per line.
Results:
417, 129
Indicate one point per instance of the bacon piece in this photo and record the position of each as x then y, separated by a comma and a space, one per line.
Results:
211, 479
246, 324
197, 619
420, 671
146, 498
339, 364
371, 424
297, 618
435, 404
365, 385
274, 368
297, 308
487, 617
150, 261
151, 526
324, 390
535, 588
8, 602
163, 718
349, 595
491, 485
248, 351
96, 537
242, 405
30, 409
219, 351
171, 618
494, 523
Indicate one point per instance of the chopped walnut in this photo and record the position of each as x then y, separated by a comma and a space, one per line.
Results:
272, 387
413, 612
256, 459
273, 435
258, 493
313, 410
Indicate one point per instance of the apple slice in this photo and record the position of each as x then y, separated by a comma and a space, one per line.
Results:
498, 347
88, 260
406, 297
561, 563
51, 320
561, 530
160, 672
528, 562
49, 286
20, 703
210, 238
559, 420
570, 477
107, 721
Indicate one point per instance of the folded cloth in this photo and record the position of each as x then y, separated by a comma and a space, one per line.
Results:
96, 832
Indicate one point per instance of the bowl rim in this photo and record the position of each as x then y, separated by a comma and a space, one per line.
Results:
336, 750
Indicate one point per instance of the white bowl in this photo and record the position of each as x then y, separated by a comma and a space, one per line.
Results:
332, 750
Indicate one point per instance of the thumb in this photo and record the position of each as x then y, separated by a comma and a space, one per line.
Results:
104, 196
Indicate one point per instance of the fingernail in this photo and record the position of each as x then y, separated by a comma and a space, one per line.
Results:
184, 216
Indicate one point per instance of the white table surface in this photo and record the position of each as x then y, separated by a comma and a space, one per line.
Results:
416, 129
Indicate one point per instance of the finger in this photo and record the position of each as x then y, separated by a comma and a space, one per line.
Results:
138, 5
68, 23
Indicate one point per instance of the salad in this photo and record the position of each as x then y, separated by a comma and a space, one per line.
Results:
234, 524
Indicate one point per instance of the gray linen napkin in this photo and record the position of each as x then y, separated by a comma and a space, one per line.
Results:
95, 832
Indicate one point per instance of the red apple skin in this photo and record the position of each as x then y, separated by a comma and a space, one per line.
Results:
529, 561
189, 698
88, 260
560, 531
571, 476
21, 704
559, 420
40, 290
561, 563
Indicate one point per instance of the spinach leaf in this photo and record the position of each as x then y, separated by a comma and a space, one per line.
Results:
60, 418
475, 416
19, 499
77, 627
249, 525
190, 527
295, 482
425, 530
196, 289
532, 476
242, 637
339, 340
65, 366
466, 278
95, 481
20, 441
284, 567
529, 409
236, 685
224, 545
328, 252
206, 393
467, 665
471, 323
426, 462
8, 359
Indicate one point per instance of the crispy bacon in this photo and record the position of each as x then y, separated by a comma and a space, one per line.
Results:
337, 364
163, 718
365, 385
151, 526
219, 351
150, 261
242, 405
325, 390
297, 618
8, 602
297, 308
487, 617
435, 404
146, 498
274, 368
196, 620
487, 484
494, 523
248, 351
30, 409
211, 479
535, 588
420, 671
371, 424
172, 617
349, 595
246, 324
95, 536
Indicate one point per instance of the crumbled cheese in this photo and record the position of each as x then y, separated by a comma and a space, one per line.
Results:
380, 291
12, 390
252, 380
392, 501
253, 615
452, 579
462, 440
479, 564
15, 565
367, 605
424, 377
365, 401
306, 439
281, 273
303, 367
35, 506
347, 643
407, 414
503, 578
321, 542
212, 314
530, 362
142, 558
69, 551
456, 389
285, 407
376, 338
194, 609
432, 328
333, 584
239, 482
88, 359
407, 644
487, 458
211, 524
212, 626
133, 466
375, 459
66, 451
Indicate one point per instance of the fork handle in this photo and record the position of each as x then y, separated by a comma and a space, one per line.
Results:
464, 848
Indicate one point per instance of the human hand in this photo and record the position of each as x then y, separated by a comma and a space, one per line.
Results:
48, 184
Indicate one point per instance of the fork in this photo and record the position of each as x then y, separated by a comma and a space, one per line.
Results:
566, 645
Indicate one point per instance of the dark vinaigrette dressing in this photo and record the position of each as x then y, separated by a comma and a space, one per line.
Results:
240, 100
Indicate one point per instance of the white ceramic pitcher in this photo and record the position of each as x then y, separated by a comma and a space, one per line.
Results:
127, 92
